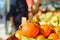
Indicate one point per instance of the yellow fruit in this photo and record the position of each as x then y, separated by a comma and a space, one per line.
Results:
40, 37
54, 20
35, 20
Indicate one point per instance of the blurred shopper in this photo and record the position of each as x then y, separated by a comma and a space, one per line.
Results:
18, 9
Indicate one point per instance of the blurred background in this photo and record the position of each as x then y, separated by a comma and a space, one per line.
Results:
5, 28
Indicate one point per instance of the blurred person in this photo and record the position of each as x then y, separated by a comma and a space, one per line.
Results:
18, 9
30, 3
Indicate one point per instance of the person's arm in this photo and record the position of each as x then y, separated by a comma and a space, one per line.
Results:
12, 21
30, 4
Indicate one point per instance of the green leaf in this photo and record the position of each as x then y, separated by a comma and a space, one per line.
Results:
26, 38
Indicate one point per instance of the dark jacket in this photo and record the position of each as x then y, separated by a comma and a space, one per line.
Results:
18, 8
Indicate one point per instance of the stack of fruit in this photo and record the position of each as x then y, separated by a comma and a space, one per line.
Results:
34, 31
49, 17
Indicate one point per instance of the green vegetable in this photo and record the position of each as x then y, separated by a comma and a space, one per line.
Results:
24, 38
48, 39
42, 17
49, 15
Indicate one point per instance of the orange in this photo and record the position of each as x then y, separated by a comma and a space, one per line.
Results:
57, 30
53, 36
30, 30
18, 35
51, 27
45, 30
58, 39
40, 37
54, 12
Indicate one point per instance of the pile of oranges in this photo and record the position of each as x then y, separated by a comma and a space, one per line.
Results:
34, 30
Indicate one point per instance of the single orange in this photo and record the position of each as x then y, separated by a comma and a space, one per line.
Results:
30, 30
57, 30
18, 35
58, 39
45, 30
53, 36
54, 12
40, 37
51, 27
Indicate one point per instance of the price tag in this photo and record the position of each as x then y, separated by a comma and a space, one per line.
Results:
24, 19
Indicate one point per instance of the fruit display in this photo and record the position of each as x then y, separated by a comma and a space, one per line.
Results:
42, 26
35, 31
